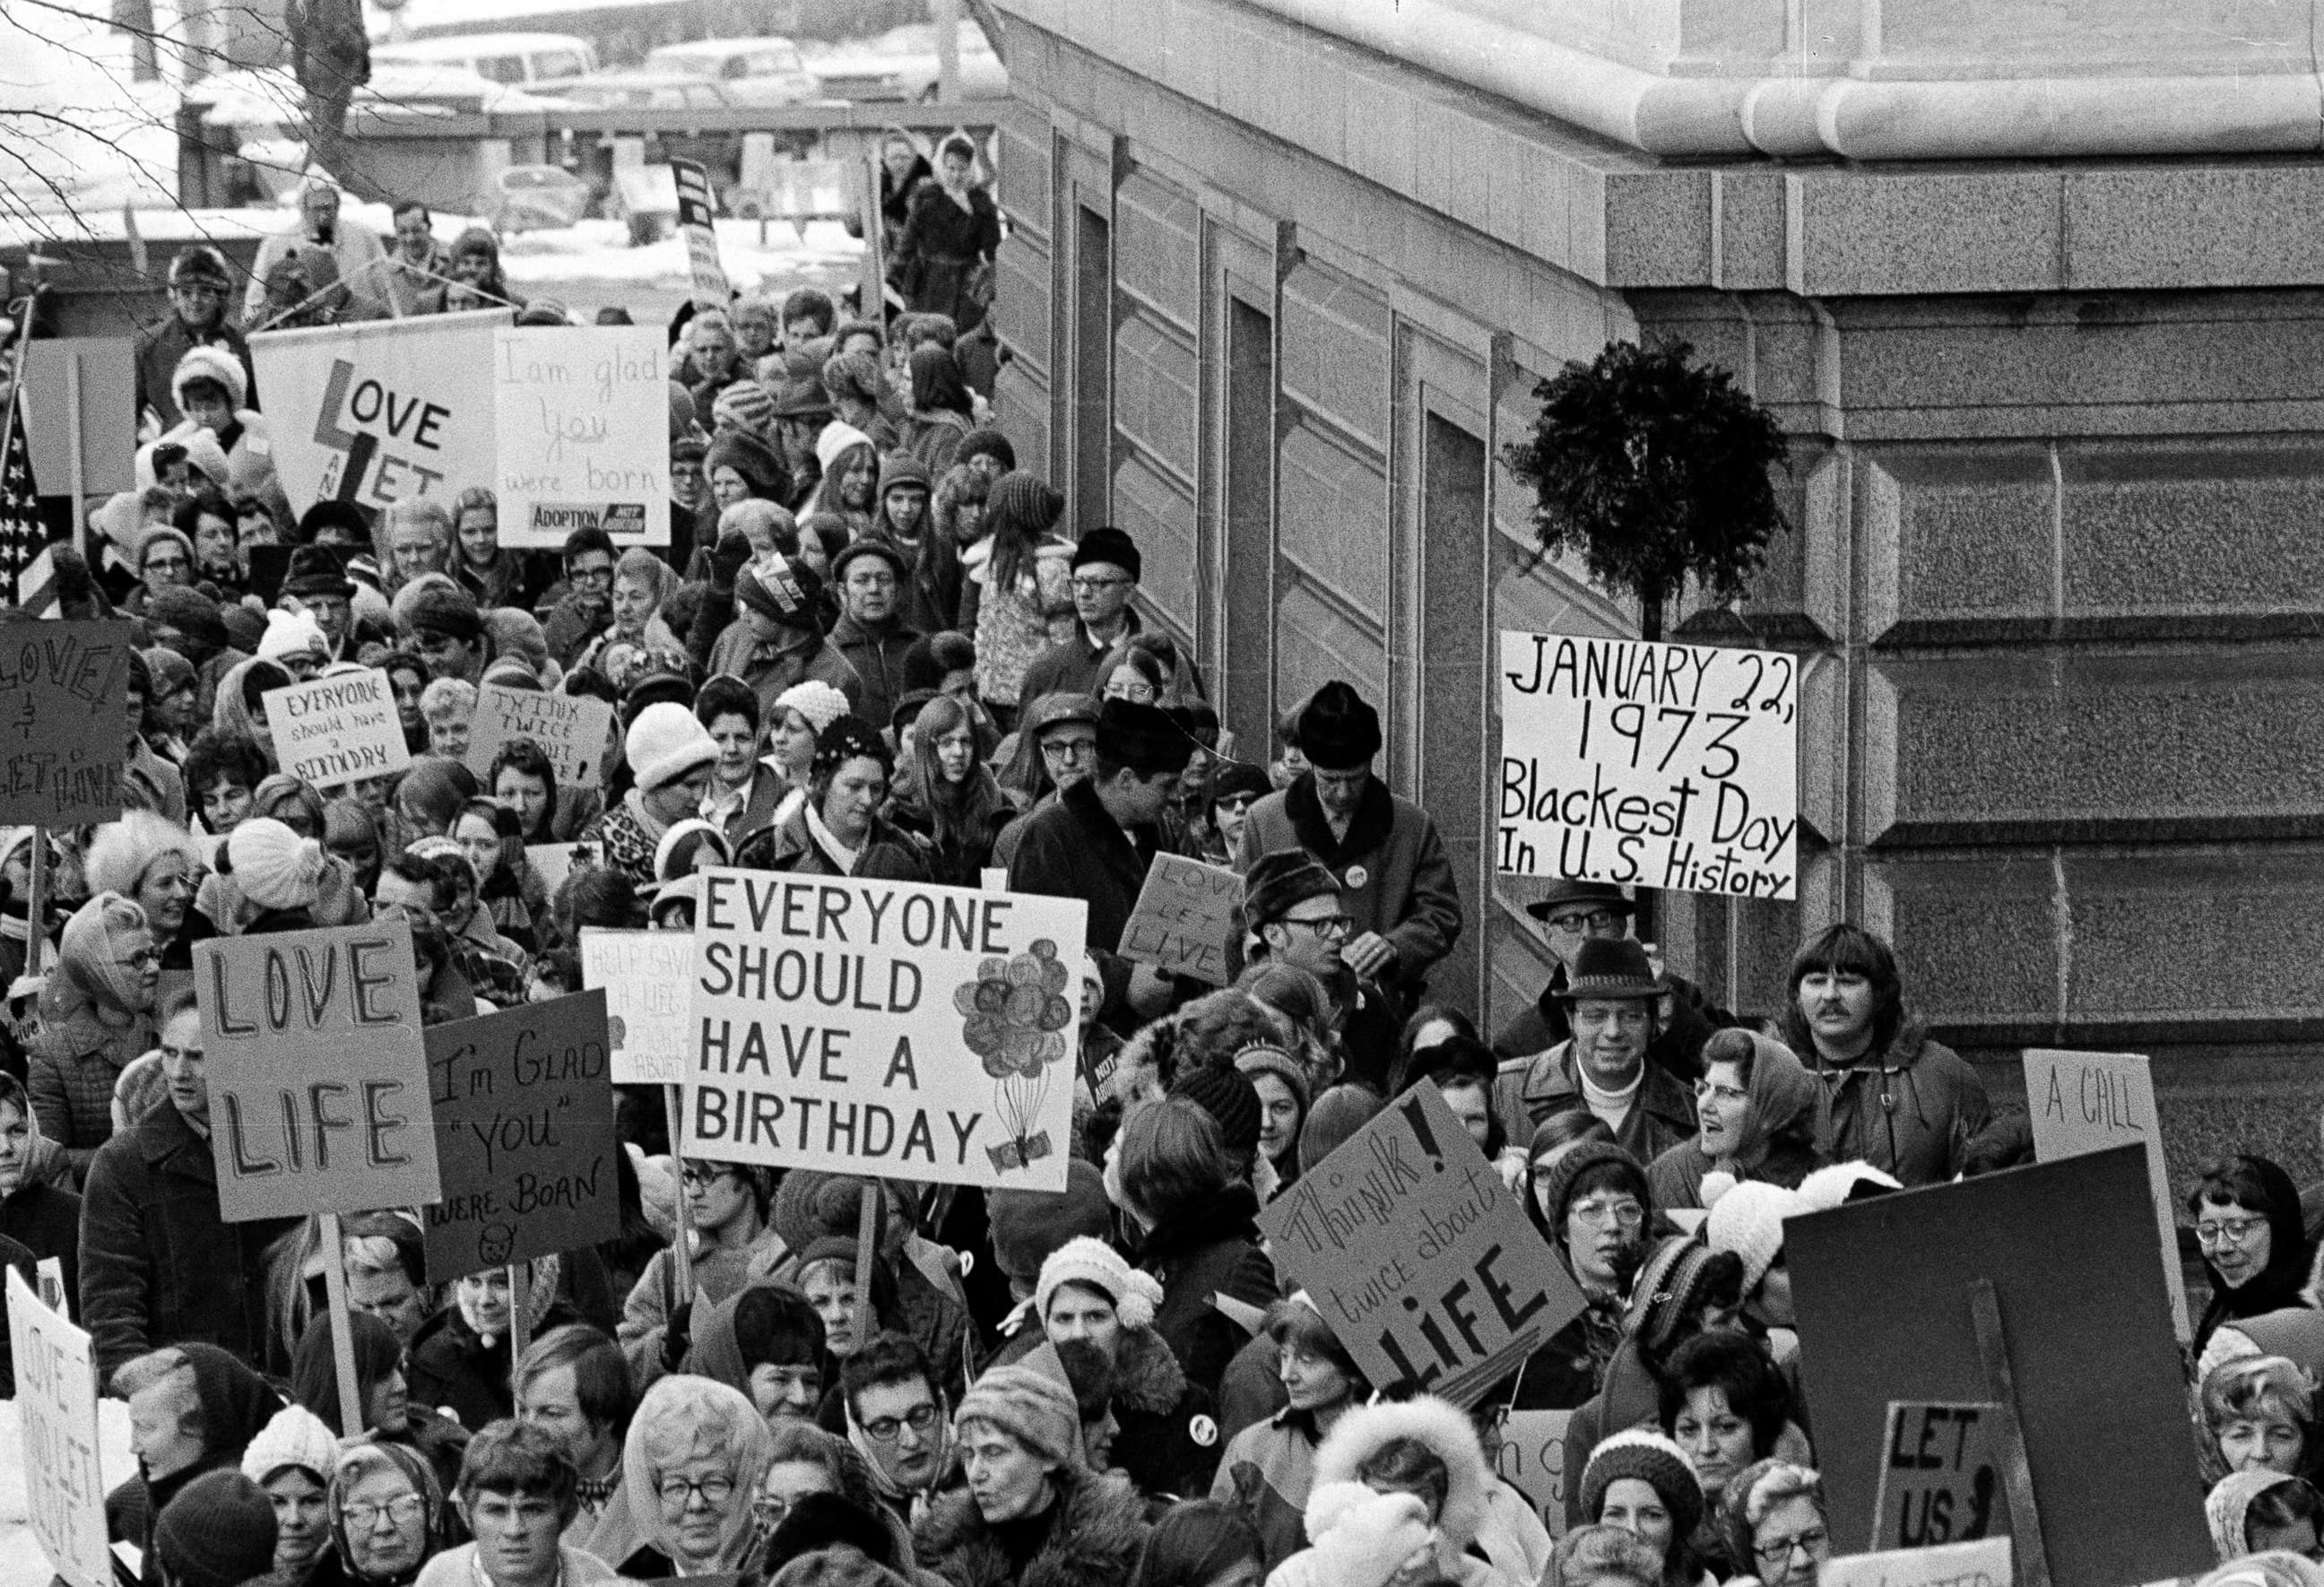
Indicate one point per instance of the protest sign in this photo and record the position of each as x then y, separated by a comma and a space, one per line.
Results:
317, 1072
64, 724
1187, 920
554, 861
2114, 1462
1940, 1477
337, 730
884, 1028
2089, 1102
576, 410
1419, 1256
572, 730
75, 390
647, 980
697, 210
382, 410
1984, 1564
1663, 766
1532, 1460
56, 1404
523, 1101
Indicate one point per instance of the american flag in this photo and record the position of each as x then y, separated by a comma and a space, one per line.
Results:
27, 573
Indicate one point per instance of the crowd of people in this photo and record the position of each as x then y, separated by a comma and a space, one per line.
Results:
872, 650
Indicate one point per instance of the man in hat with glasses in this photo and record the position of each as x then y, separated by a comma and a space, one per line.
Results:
1572, 913
1612, 999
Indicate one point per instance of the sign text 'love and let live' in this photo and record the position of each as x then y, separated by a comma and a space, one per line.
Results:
317, 1072
884, 1028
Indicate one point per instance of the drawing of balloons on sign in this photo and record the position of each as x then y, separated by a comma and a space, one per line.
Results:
1015, 1017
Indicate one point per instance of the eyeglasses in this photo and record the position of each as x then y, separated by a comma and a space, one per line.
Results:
364, 1517
919, 1419
143, 959
1089, 585
2227, 1231
681, 1490
1777, 1551
1330, 928
590, 574
1706, 1092
1068, 749
1586, 920
1627, 1214
703, 1178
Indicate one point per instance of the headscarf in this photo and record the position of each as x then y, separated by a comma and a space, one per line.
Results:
415, 1470
314, 1370
2278, 1284
685, 1410
1783, 1095
94, 941
236, 1402
936, 383
230, 712
2229, 1502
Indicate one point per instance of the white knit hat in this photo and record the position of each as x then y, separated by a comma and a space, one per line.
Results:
291, 633
666, 742
1748, 1220
274, 867
815, 700
1085, 1260
295, 1437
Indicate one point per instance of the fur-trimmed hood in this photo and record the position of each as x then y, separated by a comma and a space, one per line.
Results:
1440, 1425
1094, 1542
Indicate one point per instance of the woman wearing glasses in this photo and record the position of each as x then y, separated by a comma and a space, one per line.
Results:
727, 1206
1591, 1203
2255, 1252
806, 1463
1755, 1119
696, 1455
387, 1517
1776, 1526
97, 1015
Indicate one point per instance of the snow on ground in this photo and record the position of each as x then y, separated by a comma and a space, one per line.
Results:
22, 1562
592, 264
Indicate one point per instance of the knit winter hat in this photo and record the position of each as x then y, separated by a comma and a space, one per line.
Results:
1278, 880
1335, 1118
1667, 1290
748, 454
1748, 1220
1027, 1225
217, 1532
1842, 1182
291, 633
1263, 1059
157, 535
216, 364
987, 443
274, 867
746, 405
1654, 1460
1111, 545
1226, 1094
1027, 503
190, 611
666, 742
294, 1436
1557, 1190
445, 611
1031, 1406
1084, 1259
838, 438
902, 469
1337, 728
782, 591
811, 1205
817, 701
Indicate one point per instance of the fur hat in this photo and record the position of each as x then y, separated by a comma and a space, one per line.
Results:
1337, 729
291, 633
294, 1436
1110, 545
273, 866
1086, 1260
451, 612
666, 742
1027, 1225
1444, 1428
216, 364
1141, 737
987, 443
1278, 880
199, 263
1654, 1460
1748, 1220
1225, 1093
190, 611
1031, 1406
217, 1532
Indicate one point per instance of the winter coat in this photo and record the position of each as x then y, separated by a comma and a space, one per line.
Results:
942, 246
249, 444
878, 657
1212, 1250
1677, 1047
76, 1058
1012, 625
1676, 1177
1075, 849
886, 854
1528, 1091
625, 845
1446, 1431
1910, 1111
761, 805
1097, 1527
719, 1272
1069, 666
770, 671
161, 346
2281, 1283
1267, 1473
45, 1220
452, 1371
157, 1265
1394, 876
1169, 1440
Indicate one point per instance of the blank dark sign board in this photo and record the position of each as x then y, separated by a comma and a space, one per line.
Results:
1882, 1291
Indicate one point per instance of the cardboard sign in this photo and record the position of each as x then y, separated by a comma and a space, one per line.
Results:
337, 730
1984, 1564
884, 1028
1663, 766
1187, 918
381, 410
571, 730
1940, 1477
1419, 1256
317, 1072
523, 1101
2087, 1102
56, 1401
575, 411
697, 210
64, 722
2121, 1496
1532, 1460
91, 382
647, 980
554, 861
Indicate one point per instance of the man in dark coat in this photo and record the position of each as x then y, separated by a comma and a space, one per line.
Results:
200, 286
870, 633
157, 1265
1394, 874
1096, 843
1611, 998
1107, 567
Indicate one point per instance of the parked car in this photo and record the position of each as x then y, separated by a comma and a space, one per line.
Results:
643, 90
537, 197
749, 72
900, 64
531, 60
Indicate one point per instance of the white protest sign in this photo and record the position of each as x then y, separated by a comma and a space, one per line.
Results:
572, 730
647, 977
1664, 766
884, 1028
56, 1402
1983, 1564
1532, 1460
1186, 920
697, 210
337, 730
2090, 1101
581, 417
1940, 1476
382, 411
